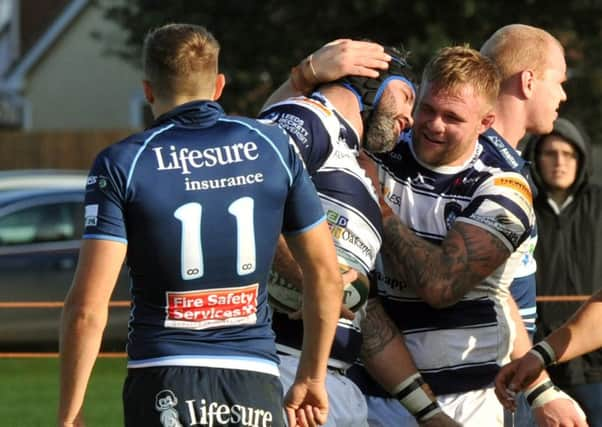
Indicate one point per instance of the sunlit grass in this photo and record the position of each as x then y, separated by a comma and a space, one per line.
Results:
29, 392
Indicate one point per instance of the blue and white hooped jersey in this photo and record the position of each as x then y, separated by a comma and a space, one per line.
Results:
329, 147
523, 287
200, 199
458, 348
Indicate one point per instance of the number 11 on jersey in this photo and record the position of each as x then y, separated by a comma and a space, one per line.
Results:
190, 216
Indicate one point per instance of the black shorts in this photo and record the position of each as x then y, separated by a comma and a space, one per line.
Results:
191, 396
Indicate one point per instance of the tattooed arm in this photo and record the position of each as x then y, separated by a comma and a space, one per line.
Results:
441, 275
382, 344
389, 362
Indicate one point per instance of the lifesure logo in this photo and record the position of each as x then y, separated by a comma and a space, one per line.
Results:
204, 413
186, 159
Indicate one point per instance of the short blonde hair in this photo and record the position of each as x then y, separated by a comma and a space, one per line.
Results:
518, 47
180, 59
457, 66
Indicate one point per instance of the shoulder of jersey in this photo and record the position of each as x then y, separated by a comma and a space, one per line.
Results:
128, 146
323, 113
490, 149
266, 127
319, 108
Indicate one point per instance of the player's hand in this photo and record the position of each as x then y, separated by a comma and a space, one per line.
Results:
77, 422
440, 420
563, 412
306, 403
344, 57
515, 377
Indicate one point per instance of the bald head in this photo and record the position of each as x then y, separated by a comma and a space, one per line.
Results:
517, 47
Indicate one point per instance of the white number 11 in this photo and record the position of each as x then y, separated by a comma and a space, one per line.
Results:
190, 215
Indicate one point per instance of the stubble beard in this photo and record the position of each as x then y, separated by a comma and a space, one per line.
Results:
380, 133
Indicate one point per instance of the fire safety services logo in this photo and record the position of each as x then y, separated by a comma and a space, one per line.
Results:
212, 308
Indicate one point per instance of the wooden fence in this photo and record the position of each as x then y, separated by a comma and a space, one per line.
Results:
58, 149
77, 149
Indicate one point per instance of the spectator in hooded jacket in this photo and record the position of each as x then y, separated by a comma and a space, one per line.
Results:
569, 251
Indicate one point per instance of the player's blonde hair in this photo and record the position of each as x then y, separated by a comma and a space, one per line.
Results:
180, 59
518, 47
454, 67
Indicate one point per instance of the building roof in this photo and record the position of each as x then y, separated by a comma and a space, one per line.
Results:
41, 27
34, 20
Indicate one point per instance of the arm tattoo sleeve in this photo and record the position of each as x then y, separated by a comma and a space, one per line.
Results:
441, 275
377, 329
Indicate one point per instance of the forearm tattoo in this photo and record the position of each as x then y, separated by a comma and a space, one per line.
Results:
377, 329
442, 274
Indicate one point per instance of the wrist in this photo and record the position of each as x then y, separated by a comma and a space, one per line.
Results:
303, 76
415, 395
544, 352
541, 393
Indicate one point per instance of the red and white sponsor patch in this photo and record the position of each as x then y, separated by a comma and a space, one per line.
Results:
212, 308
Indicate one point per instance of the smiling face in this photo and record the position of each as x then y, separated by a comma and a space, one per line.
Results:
392, 116
447, 124
548, 92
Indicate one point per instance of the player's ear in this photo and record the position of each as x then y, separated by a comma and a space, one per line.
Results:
487, 121
220, 82
148, 91
527, 81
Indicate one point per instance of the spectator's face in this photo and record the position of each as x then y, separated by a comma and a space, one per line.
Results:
548, 93
447, 124
392, 116
557, 162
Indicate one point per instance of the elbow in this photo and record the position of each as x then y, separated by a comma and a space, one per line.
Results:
83, 318
440, 304
323, 286
437, 303
438, 300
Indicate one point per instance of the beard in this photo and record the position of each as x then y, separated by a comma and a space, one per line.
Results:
380, 132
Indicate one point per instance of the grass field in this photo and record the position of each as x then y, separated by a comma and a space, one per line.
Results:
29, 392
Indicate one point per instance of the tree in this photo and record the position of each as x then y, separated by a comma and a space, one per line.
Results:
261, 40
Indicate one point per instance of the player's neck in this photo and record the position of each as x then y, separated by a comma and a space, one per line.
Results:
160, 107
509, 119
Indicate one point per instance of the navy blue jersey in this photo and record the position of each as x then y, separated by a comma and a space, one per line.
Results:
329, 146
200, 199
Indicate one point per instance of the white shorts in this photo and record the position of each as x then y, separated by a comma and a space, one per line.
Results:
347, 405
478, 408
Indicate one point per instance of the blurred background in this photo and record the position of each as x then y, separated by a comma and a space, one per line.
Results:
70, 69
70, 85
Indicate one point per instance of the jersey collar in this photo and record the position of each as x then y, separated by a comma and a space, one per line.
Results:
195, 113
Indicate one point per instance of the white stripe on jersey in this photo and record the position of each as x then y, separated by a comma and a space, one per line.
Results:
483, 192
223, 362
